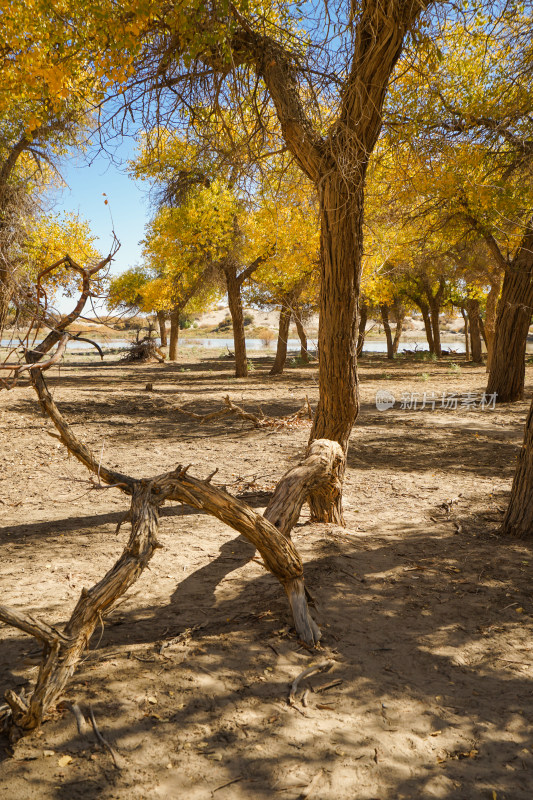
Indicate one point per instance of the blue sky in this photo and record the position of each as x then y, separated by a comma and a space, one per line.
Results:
127, 210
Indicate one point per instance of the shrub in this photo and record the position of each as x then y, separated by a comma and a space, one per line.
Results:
266, 335
226, 324
185, 321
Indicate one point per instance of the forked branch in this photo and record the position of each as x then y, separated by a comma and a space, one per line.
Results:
270, 533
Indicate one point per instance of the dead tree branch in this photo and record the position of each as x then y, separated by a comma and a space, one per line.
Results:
269, 533
257, 420
63, 647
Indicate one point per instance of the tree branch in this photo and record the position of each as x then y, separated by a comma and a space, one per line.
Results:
251, 268
279, 69
29, 624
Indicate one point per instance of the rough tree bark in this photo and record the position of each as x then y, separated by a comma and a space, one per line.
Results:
7, 215
435, 327
387, 328
337, 165
435, 302
482, 330
304, 353
363, 318
507, 370
472, 307
399, 315
467, 333
518, 519
320, 472
162, 321
283, 336
490, 317
424, 309
174, 333
233, 285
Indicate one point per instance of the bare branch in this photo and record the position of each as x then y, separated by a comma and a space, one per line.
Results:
29, 624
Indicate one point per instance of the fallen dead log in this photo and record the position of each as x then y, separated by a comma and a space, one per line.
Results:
258, 420
145, 349
270, 534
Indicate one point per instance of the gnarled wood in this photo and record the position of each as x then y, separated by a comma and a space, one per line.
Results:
319, 469
28, 623
258, 420
515, 308
162, 322
472, 305
518, 519
278, 552
63, 650
71, 441
87, 274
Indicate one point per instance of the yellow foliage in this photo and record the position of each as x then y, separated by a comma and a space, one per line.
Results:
49, 239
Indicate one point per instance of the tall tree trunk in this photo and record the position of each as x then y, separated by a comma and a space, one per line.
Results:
283, 335
233, 285
472, 306
363, 317
507, 372
490, 317
518, 519
482, 330
8, 217
337, 165
399, 315
434, 306
304, 354
424, 308
162, 320
467, 334
174, 333
341, 247
386, 327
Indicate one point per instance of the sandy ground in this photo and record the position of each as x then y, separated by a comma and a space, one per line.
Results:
425, 612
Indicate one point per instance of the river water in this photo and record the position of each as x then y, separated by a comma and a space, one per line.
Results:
293, 345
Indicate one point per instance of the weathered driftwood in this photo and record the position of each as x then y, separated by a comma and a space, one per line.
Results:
62, 650
269, 533
145, 349
258, 420
318, 471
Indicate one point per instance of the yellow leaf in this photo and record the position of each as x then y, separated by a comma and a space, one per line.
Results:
64, 760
